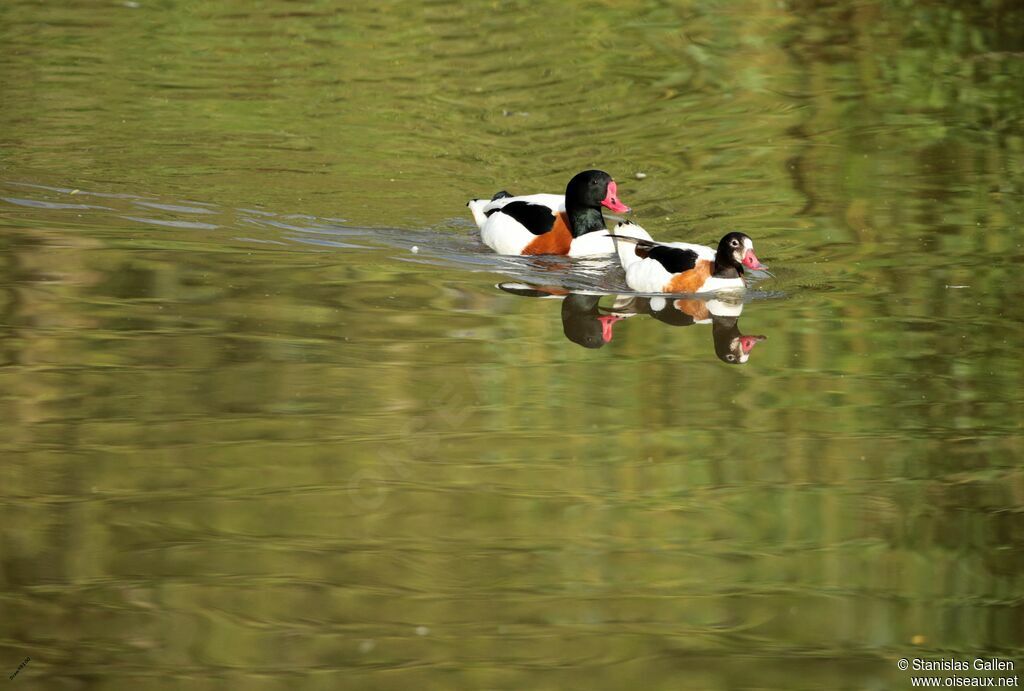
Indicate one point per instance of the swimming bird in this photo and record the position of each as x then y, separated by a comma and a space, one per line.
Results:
551, 223
681, 267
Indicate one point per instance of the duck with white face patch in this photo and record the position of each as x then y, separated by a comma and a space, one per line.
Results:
680, 267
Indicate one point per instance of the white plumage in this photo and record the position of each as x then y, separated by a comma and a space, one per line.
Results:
555, 202
502, 233
603, 244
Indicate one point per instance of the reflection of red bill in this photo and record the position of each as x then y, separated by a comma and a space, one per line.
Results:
611, 200
607, 322
748, 342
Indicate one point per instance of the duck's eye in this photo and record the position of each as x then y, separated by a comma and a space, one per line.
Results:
734, 242
730, 358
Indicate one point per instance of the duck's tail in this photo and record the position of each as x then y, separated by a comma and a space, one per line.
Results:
477, 206
631, 235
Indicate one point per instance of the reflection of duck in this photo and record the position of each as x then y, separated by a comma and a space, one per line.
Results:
730, 345
585, 322
681, 267
551, 223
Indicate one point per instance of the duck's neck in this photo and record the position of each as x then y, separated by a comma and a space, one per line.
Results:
724, 329
725, 267
583, 221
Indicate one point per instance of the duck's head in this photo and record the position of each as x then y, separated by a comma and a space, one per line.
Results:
736, 251
593, 189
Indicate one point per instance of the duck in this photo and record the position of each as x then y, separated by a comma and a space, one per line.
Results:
551, 223
682, 267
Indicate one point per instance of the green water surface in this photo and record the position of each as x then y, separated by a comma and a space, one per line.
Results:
267, 423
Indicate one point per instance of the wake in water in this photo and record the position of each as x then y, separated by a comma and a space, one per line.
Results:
456, 243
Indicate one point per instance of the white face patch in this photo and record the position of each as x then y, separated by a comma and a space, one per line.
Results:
741, 252
736, 350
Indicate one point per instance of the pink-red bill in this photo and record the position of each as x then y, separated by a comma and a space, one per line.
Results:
748, 342
607, 322
611, 199
751, 261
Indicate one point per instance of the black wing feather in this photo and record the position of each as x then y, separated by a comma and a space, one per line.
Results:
673, 317
536, 218
675, 259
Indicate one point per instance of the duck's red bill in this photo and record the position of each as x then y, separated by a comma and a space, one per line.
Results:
751, 261
611, 200
748, 342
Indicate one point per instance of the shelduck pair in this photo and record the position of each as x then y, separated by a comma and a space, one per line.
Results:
574, 225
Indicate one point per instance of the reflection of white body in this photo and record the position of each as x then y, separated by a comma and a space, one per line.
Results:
647, 275
731, 345
715, 308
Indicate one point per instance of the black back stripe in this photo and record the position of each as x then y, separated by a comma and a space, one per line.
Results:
674, 259
536, 218
673, 317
